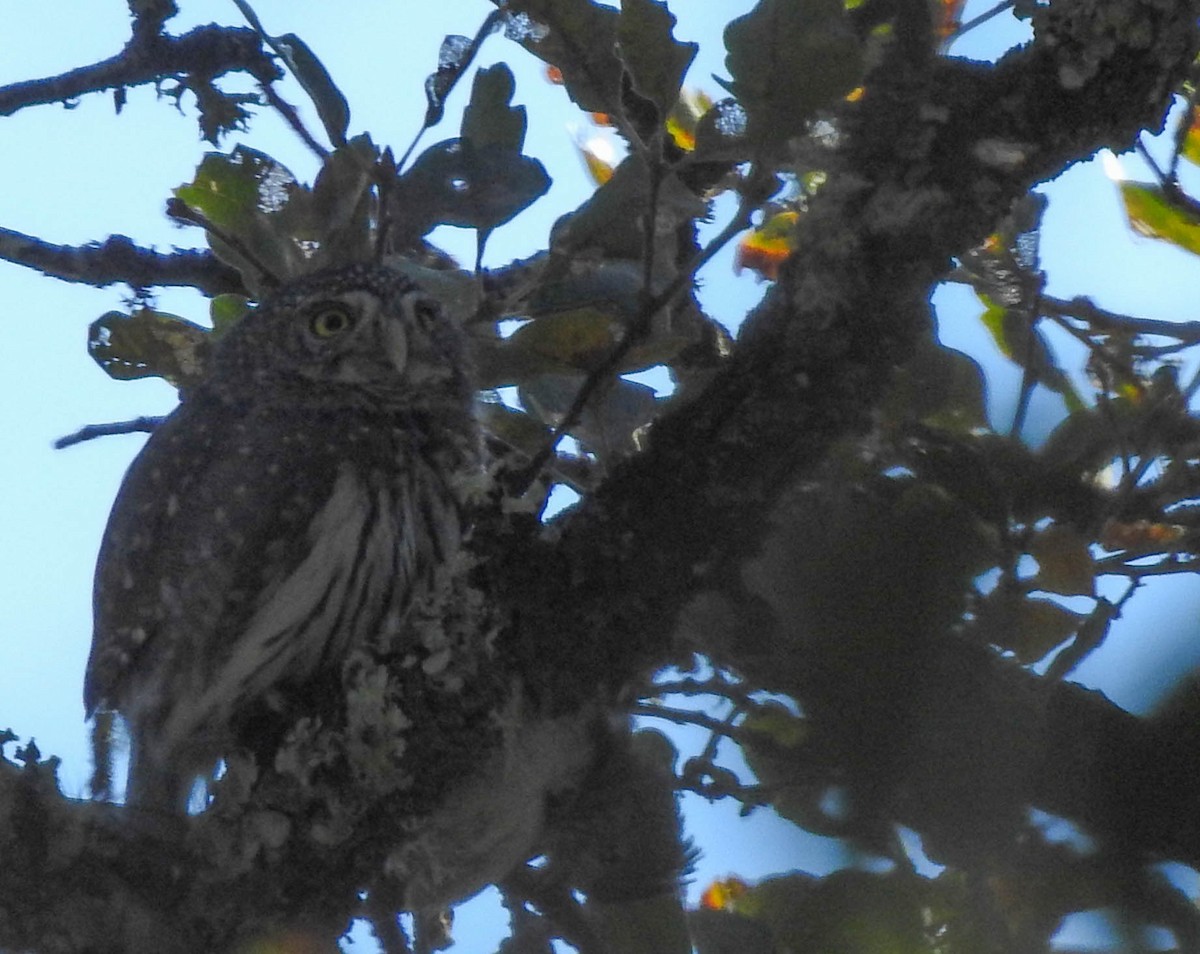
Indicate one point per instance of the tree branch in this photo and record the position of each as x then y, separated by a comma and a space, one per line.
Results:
91, 431
207, 52
816, 356
118, 259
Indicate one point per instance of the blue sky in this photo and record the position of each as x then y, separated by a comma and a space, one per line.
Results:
73, 176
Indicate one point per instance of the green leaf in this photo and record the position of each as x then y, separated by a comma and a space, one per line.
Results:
337, 214
149, 343
516, 428
610, 221
579, 339
721, 134
453, 183
226, 311
229, 189
1022, 343
938, 386
331, 105
846, 912
490, 119
613, 286
789, 59
724, 932
454, 56
1085, 441
577, 37
610, 425
654, 925
243, 193
777, 721
772, 743
1152, 214
655, 61
1092, 632
280, 226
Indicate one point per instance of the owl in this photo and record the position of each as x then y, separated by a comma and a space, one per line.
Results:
291, 508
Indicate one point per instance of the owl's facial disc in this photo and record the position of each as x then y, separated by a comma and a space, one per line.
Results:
354, 340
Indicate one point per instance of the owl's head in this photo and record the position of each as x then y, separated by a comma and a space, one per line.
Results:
358, 333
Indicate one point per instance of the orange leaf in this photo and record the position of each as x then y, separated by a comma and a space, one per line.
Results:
1140, 536
1191, 140
766, 248
723, 894
685, 117
948, 16
598, 166
1065, 564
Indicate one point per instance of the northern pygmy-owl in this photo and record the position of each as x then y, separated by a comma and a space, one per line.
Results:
290, 509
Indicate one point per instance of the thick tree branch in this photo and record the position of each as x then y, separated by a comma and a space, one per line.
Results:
205, 52
918, 183
118, 259
820, 349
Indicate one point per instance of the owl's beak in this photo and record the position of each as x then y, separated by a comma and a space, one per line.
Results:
394, 342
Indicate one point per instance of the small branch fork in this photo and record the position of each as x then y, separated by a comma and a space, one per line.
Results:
701, 774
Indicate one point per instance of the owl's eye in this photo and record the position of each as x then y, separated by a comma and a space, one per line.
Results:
330, 321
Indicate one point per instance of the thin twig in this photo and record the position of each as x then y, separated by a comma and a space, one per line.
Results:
1028, 381
717, 685
92, 431
285, 109
977, 21
292, 118
1082, 309
714, 738
1182, 131
1140, 146
1118, 566
739, 223
688, 717
751, 796
178, 209
456, 70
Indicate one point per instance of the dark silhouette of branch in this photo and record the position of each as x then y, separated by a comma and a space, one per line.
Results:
118, 259
205, 52
817, 354
1100, 319
92, 431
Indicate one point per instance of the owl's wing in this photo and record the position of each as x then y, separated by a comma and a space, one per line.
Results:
227, 557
